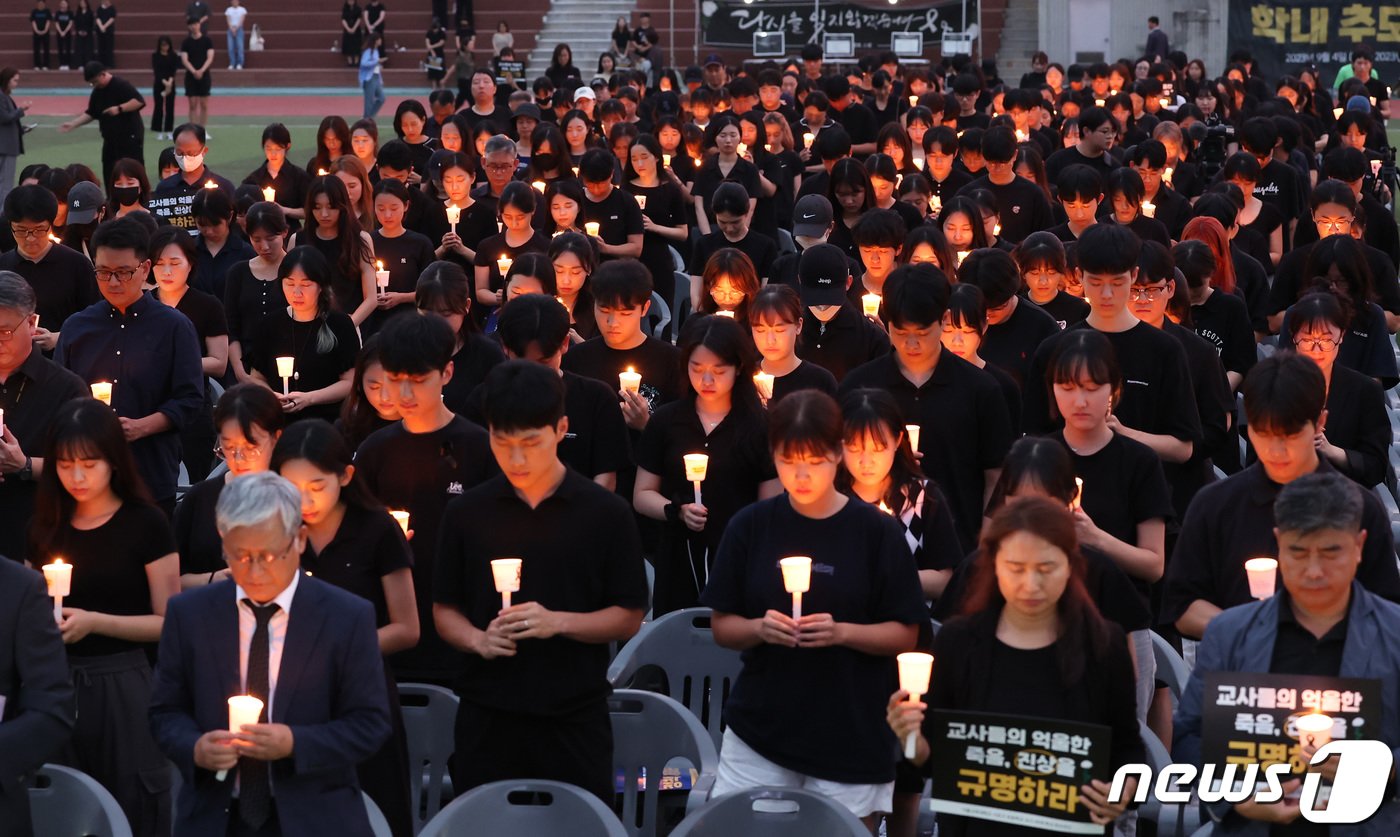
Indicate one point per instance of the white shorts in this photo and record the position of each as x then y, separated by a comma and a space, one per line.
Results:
741, 769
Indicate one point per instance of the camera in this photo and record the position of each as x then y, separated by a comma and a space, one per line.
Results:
1211, 139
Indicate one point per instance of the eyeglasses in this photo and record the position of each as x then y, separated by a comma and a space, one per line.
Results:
239, 453
122, 276
1315, 344
6, 334
265, 559
500, 167
1139, 293
30, 232
1339, 225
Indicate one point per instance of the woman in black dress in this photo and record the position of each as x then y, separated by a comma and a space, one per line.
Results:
719, 416
352, 32
1030, 642
436, 61
333, 228
84, 25
663, 202
251, 290
164, 65
197, 55
105, 28
321, 341
353, 543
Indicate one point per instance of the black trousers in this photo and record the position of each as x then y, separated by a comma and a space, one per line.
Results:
41, 50
115, 148
107, 48
84, 48
493, 746
163, 113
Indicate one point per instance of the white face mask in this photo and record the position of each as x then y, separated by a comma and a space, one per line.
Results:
191, 163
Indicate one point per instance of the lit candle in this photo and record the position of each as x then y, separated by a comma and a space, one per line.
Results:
538, 186
1164, 102
1149, 209
797, 579
402, 518
1337, 113
870, 304
912, 431
1167, 174
1314, 728
575, 171
2, 422
503, 264
915, 669
641, 201
55, 239
286, 368
996, 228
269, 193
454, 214
962, 254
1262, 572
243, 710
743, 149
381, 276
59, 578
322, 172
506, 572
807, 140
1022, 136
591, 227
1373, 101
666, 160
725, 313
886, 509
935, 204
763, 382
913, 101
699, 161
1099, 102
209, 184
629, 381
696, 464
1075, 503
102, 391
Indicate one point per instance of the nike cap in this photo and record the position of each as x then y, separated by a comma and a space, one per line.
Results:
812, 216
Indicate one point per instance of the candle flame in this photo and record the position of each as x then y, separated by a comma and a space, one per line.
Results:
886, 509
55, 239
209, 184
379, 264
631, 371
322, 173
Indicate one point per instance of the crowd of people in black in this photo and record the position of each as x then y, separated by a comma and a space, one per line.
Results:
1047, 362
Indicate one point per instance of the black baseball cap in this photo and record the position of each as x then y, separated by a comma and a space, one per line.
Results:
812, 216
93, 69
822, 273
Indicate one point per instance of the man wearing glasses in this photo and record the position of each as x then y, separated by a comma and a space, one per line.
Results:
32, 389
61, 277
147, 351
319, 678
500, 162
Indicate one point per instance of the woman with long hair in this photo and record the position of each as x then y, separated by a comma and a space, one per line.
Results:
561, 68
334, 230
725, 165
367, 408
925, 244
251, 294
1338, 264
851, 195
320, 340
93, 511
353, 543
129, 190
664, 218
403, 253
476, 220
332, 142
728, 284
358, 187
364, 144
575, 257
548, 160
964, 327
165, 64
444, 289
578, 135
515, 211
775, 317
564, 199
718, 415
248, 419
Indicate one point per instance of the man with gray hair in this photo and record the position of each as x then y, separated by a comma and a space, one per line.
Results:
1321, 623
306, 649
32, 389
500, 160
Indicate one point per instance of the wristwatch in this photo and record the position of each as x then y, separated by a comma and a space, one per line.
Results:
26, 474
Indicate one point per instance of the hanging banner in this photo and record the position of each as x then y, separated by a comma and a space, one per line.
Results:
1285, 36
733, 24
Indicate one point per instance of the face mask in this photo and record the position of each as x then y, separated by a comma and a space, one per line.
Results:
546, 161
126, 195
188, 164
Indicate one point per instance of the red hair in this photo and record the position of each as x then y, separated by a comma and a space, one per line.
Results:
1212, 234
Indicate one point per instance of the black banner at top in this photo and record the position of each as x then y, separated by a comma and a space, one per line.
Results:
1285, 36
733, 24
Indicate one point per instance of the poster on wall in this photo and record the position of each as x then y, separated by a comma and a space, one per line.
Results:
733, 24
1285, 36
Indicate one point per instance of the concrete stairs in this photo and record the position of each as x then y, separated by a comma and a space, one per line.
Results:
586, 26
1020, 36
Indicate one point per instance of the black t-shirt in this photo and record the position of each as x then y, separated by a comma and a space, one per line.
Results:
807, 375
197, 51
966, 430
1066, 308
1010, 391
863, 573
281, 336
1021, 206
1278, 187
1011, 343
848, 340
760, 249
579, 553
1066, 157
1289, 279
618, 216
666, 207
708, 178
420, 473
657, 361
499, 117
1223, 321
196, 535
405, 257
1150, 229
369, 545
477, 357
476, 223
126, 126
109, 569
858, 121
62, 280
41, 18
945, 189
205, 312
493, 247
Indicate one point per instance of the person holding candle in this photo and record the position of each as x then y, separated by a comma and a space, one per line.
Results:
1015, 328
248, 419
879, 238
565, 200
1030, 641
863, 606
961, 222
964, 327
347, 247
475, 219
575, 257
288, 182
730, 206
148, 351
1149, 159
444, 289
941, 148
404, 253
251, 292
1020, 203
1229, 521
728, 284
514, 211
354, 544
94, 512
1123, 188
775, 323
725, 166
419, 463
322, 341
368, 406
533, 681
1044, 272
663, 203
62, 278
1322, 621
720, 415
33, 389
318, 675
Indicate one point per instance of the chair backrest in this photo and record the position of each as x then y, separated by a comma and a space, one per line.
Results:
786, 244
661, 310
429, 717
525, 809
649, 731
772, 812
680, 301
69, 803
699, 673
1171, 668
677, 261
378, 823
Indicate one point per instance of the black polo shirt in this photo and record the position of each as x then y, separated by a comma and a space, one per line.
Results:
579, 553
369, 545
173, 197
62, 280
618, 216
1298, 651
1011, 344
848, 340
965, 427
1232, 520
31, 397
420, 473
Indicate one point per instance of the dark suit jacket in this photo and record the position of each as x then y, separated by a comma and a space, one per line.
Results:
38, 714
330, 691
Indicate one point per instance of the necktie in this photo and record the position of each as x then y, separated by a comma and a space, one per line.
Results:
255, 786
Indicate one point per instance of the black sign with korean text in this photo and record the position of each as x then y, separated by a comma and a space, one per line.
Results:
1249, 718
733, 24
1287, 35
1018, 770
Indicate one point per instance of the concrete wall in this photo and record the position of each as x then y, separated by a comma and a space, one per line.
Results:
1195, 26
